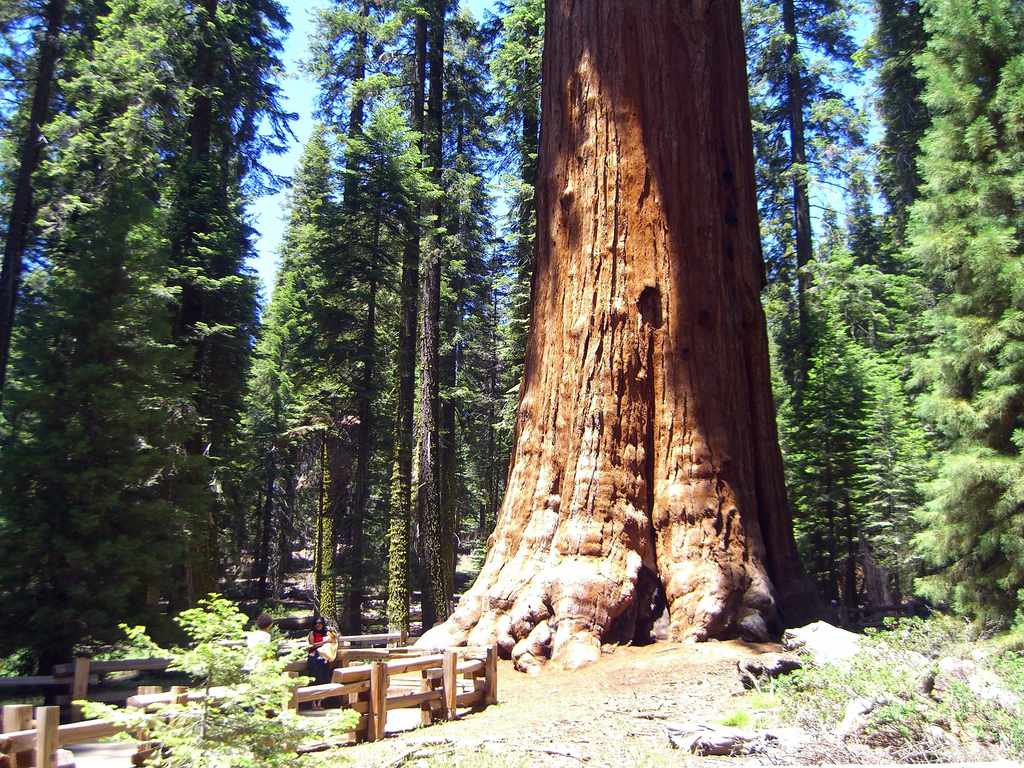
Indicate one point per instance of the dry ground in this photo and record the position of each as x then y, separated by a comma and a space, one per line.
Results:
610, 713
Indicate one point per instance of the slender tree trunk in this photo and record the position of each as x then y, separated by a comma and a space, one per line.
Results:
365, 451
488, 511
436, 600
364, 435
801, 199
261, 566
19, 219
449, 446
449, 376
400, 518
850, 578
321, 517
287, 524
345, 531
646, 470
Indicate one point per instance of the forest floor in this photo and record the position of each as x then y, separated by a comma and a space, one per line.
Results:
610, 713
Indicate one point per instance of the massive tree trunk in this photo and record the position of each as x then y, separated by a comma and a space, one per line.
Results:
22, 209
436, 598
646, 471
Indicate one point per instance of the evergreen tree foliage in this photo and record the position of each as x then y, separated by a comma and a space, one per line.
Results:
898, 38
91, 468
516, 71
800, 57
966, 230
855, 455
231, 54
828, 440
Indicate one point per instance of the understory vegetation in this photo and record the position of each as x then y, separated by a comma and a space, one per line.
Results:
917, 691
247, 720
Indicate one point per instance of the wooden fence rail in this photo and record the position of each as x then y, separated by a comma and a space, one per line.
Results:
371, 690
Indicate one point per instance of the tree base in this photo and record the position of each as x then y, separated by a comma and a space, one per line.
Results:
569, 609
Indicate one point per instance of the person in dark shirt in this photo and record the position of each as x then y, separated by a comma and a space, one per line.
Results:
322, 647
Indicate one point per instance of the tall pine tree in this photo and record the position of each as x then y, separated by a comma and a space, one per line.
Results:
966, 230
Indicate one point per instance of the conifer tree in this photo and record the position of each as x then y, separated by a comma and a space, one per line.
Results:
232, 56
899, 37
516, 71
966, 231
466, 211
91, 475
799, 56
387, 166
402, 502
436, 596
823, 464
892, 467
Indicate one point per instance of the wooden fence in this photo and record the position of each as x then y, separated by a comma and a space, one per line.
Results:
428, 683
83, 679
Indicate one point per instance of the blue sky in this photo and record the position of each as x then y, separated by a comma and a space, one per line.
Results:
300, 93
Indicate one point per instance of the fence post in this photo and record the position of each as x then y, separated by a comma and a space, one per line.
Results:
17, 717
491, 676
378, 701
450, 682
47, 739
79, 685
426, 708
143, 748
292, 702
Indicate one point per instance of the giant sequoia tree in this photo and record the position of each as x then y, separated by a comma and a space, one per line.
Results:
646, 472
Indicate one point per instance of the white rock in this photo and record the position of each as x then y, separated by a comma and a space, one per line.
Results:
855, 716
824, 643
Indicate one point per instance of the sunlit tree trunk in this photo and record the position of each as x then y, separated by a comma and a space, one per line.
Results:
646, 471
400, 515
436, 597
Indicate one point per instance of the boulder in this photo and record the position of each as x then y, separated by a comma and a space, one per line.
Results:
824, 643
764, 667
983, 683
703, 739
857, 714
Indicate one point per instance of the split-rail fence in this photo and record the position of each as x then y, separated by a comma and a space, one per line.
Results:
436, 684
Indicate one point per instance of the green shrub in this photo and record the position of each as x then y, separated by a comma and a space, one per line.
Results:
891, 668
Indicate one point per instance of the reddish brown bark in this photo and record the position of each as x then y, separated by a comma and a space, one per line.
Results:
646, 469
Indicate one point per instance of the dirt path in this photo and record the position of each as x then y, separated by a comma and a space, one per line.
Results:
608, 714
